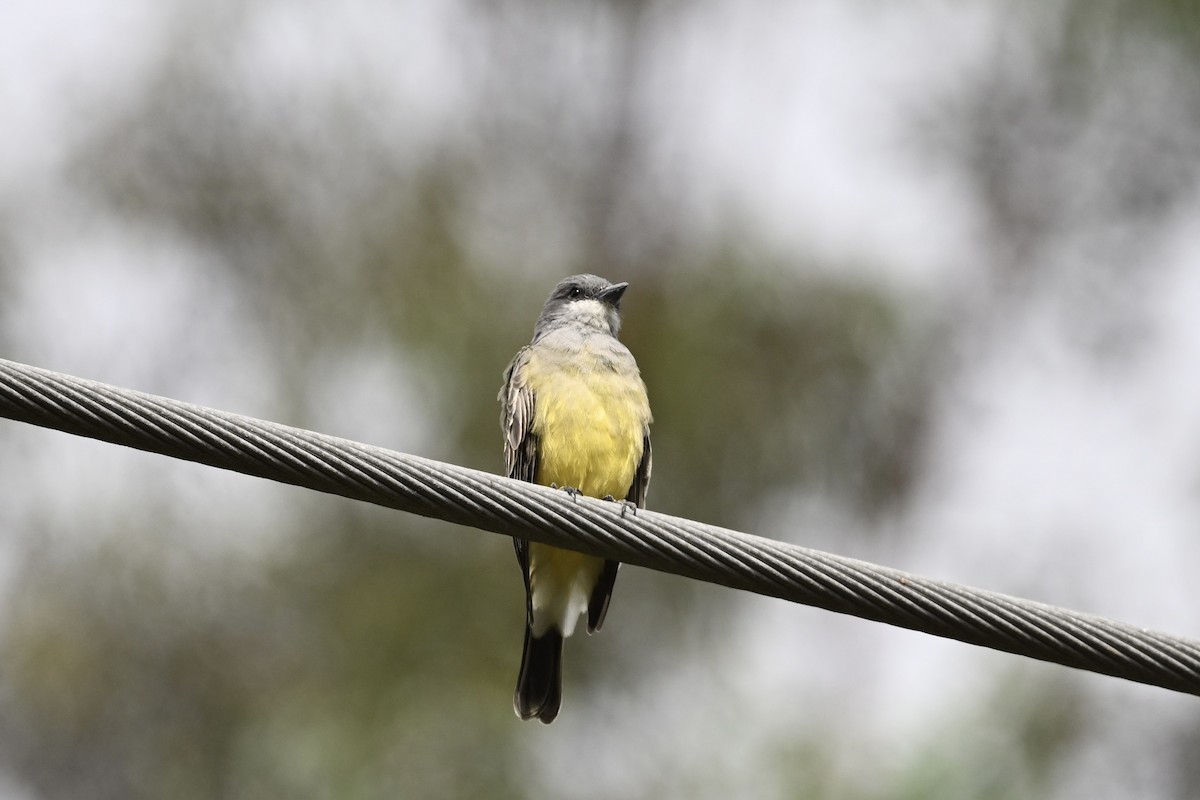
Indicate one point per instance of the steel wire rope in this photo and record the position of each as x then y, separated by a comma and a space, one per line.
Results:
645, 538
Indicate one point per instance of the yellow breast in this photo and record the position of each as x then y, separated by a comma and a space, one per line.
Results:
590, 416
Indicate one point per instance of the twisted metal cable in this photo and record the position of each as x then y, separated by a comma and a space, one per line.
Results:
647, 539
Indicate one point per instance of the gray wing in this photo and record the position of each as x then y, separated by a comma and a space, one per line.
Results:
516, 418
602, 593
520, 449
641, 478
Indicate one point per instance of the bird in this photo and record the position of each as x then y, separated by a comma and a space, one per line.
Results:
575, 416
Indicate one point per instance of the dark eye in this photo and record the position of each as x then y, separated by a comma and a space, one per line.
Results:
575, 293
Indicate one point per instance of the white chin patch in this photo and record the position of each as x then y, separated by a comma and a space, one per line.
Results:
587, 311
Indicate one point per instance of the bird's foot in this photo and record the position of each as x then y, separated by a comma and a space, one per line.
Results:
626, 505
570, 490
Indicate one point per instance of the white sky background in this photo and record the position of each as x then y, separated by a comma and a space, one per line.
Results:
1052, 474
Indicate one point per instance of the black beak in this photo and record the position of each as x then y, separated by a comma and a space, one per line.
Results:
612, 295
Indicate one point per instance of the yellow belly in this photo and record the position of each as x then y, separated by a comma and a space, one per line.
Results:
590, 426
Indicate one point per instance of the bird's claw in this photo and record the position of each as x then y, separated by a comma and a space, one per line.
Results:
626, 505
570, 490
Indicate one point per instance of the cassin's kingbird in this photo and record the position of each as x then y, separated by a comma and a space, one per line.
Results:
575, 416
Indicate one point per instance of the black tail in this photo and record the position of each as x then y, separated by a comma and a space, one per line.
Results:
539, 684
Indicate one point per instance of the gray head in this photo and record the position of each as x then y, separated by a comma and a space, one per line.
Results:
586, 302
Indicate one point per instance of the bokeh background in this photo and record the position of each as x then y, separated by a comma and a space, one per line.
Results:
913, 282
